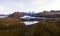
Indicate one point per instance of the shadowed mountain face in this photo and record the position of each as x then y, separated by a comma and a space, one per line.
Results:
46, 14
50, 14
21, 14
16, 15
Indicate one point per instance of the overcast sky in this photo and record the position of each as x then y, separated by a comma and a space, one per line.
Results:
10, 6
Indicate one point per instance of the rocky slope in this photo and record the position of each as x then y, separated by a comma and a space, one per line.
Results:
16, 14
50, 14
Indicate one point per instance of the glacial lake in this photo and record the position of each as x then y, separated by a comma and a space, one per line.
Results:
30, 22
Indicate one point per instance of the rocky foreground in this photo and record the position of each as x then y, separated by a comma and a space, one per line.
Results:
14, 27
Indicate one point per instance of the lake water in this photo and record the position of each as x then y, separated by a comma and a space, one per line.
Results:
30, 22
3, 16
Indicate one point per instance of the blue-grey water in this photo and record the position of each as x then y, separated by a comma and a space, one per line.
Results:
29, 18
3, 16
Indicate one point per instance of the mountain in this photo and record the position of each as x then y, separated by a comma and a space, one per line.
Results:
21, 14
33, 14
16, 15
49, 14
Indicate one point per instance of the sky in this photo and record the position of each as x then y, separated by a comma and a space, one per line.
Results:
10, 6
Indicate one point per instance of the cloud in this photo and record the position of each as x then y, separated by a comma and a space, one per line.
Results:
3, 10
54, 5
9, 6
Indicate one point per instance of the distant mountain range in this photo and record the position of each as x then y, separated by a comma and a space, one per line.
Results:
49, 14
21, 14
46, 14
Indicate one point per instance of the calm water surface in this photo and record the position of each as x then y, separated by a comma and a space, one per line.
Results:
3, 16
30, 22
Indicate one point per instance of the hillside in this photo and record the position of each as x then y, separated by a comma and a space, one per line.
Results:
14, 27
16, 15
21, 14
11, 27
50, 14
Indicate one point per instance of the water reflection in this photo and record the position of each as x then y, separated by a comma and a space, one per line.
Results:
30, 22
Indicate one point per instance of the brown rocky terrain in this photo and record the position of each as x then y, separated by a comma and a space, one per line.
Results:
50, 14
16, 14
